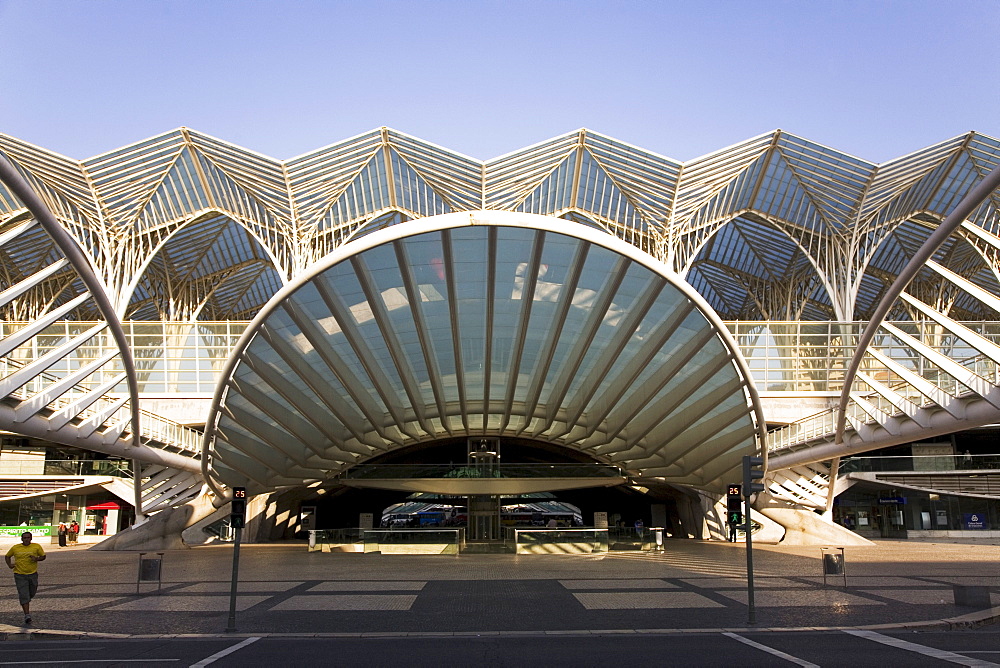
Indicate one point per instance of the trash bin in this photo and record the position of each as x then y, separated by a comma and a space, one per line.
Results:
833, 563
150, 570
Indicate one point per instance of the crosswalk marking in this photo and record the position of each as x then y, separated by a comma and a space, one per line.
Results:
941, 654
770, 650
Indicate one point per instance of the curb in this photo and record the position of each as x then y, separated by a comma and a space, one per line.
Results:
967, 621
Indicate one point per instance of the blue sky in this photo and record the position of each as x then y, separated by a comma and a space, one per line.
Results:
877, 79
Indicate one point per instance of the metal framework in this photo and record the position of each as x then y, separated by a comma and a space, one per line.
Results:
486, 323
183, 227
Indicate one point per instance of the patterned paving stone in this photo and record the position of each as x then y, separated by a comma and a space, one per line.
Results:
863, 582
91, 589
917, 596
348, 602
188, 603
644, 600
695, 585
42, 603
825, 598
617, 584
386, 585
741, 583
224, 587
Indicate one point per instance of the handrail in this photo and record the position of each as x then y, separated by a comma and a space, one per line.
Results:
953, 221
192, 443
84, 269
505, 470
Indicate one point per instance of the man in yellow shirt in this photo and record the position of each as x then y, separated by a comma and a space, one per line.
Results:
23, 559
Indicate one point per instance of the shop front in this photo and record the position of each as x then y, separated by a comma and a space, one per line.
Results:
880, 513
98, 514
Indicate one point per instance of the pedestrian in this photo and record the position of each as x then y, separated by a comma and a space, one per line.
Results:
74, 531
23, 560
63, 530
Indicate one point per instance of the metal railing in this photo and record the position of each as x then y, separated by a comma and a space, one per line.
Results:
398, 471
920, 463
74, 467
154, 427
785, 356
818, 426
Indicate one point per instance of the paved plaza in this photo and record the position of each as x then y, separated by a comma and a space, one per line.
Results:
692, 585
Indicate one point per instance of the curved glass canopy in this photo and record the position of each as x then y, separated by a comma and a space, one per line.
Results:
484, 323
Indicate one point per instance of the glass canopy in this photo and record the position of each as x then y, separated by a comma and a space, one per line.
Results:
514, 325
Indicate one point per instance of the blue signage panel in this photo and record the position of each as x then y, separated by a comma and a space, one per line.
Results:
890, 500
974, 521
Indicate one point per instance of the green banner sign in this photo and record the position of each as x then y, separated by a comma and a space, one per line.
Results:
17, 531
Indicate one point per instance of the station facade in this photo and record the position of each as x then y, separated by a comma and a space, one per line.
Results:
384, 318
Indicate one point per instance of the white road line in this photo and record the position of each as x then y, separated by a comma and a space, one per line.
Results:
770, 650
226, 652
942, 654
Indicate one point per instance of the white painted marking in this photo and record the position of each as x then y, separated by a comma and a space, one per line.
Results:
942, 654
770, 650
226, 652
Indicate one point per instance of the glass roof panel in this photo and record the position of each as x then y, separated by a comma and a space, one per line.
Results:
352, 332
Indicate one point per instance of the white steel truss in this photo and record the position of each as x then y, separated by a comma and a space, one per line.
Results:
186, 227
948, 380
76, 407
484, 324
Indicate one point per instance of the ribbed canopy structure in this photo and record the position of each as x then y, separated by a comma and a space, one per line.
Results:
484, 323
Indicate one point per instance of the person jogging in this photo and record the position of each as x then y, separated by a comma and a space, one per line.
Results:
23, 560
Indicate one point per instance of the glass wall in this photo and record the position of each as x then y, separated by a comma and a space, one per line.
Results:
784, 356
98, 514
882, 513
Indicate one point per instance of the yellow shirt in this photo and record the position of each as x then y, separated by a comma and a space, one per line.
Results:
20, 552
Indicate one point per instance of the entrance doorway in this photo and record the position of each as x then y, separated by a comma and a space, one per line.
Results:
483, 460
891, 523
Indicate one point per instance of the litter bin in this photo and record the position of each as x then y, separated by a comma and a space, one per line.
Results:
150, 570
833, 563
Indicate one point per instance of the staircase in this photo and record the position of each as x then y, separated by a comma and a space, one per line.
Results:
53, 386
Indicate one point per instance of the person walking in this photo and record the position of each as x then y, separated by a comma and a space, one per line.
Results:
63, 530
23, 560
74, 531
